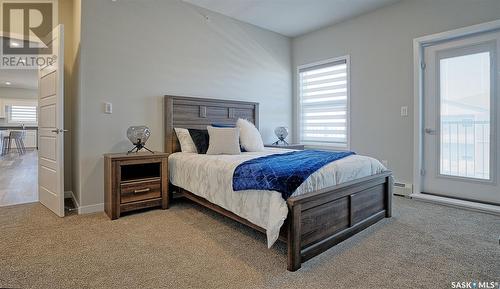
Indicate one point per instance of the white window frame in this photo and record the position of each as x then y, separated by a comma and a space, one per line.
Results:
298, 112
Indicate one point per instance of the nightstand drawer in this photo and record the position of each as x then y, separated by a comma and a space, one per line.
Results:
140, 190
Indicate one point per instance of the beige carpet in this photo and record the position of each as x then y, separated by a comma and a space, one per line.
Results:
422, 246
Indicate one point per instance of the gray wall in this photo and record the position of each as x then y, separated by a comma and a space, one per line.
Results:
380, 46
134, 52
75, 91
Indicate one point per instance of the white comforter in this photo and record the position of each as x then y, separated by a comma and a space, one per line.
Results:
211, 177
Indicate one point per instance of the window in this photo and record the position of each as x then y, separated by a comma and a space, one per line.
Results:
22, 114
465, 115
324, 103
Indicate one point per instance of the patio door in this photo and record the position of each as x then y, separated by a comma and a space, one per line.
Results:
461, 106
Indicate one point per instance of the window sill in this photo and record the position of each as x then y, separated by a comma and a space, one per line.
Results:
331, 147
21, 123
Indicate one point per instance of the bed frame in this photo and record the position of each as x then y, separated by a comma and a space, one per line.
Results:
316, 221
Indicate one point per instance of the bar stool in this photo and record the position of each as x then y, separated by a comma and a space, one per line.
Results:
4, 141
17, 136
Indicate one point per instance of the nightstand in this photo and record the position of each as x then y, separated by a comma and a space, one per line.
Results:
289, 146
135, 181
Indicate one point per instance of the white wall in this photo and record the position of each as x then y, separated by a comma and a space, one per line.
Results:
380, 46
134, 52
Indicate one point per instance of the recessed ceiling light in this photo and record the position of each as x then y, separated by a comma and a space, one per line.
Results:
14, 44
8, 83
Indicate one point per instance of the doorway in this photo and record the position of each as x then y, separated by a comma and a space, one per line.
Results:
48, 120
460, 151
18, 136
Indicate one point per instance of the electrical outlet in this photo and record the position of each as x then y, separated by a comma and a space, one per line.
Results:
404, 111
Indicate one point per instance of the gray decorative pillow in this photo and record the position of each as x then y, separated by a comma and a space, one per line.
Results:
223, 141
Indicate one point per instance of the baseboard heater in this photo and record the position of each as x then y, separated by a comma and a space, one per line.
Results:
402, 189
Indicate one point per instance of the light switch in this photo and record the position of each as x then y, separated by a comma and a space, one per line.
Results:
108, 107
404, 111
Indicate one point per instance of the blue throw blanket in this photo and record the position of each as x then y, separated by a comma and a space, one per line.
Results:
282, 172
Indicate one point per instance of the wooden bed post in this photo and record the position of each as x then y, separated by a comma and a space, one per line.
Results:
293, 242
388, 200
169, 124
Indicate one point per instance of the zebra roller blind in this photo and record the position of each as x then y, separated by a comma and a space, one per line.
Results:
23, 113
323, 94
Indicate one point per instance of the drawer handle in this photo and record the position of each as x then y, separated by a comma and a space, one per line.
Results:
142, 190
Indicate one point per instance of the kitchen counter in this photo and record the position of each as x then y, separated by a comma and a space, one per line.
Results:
18, 127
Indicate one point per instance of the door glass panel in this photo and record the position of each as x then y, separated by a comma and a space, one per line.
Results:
465, 116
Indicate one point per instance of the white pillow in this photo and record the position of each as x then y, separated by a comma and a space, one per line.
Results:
187, 144
250, 138
223, 141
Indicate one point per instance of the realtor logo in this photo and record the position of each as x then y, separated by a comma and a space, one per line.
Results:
32, 21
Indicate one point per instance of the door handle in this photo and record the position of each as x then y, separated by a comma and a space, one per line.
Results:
59, 130
430, 131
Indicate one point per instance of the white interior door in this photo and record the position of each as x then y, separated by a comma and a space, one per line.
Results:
50, 129
461, 106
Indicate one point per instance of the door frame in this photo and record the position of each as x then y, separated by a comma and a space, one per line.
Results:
418, 87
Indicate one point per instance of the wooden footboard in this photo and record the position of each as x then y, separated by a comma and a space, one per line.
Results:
319, 220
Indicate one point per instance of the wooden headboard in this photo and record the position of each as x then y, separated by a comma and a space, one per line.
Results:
194, 112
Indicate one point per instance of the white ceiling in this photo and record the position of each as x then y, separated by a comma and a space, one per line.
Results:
291, 17
19, 78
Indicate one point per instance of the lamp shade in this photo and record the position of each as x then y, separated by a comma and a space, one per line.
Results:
138, 134
281, 132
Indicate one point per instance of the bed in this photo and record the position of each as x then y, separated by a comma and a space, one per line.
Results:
319, 215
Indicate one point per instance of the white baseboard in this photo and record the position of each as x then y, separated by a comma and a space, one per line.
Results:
468, 205
91, 209
84, 209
